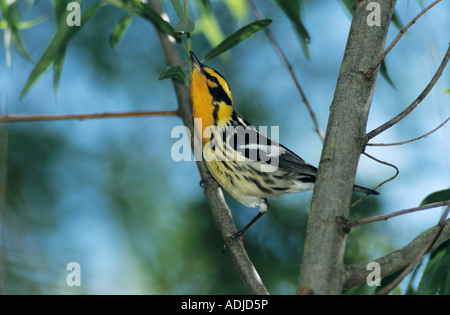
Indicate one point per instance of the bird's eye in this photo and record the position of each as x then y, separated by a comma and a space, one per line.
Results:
214, 80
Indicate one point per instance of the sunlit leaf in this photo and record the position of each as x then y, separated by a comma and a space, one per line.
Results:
54, 54
447, 91
12, 36
173, 72
238, 9
119, 30
153, 17
178, 7
292, 10
437, 196
237, 37
210, 28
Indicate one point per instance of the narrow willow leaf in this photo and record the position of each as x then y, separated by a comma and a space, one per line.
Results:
178, 7
237, 37
396, 21
56, 49
348, 5
153, 17
436, 276
292, 10
211, 29
13, 25
57, 69
173, 72
385, 74
437, 196
184, 26
119, 30
59, 10
447, 91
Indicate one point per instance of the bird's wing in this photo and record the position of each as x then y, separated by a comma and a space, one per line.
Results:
255, 146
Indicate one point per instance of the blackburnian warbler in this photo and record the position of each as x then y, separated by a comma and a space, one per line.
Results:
248, 165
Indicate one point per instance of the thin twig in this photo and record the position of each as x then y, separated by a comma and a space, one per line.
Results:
23, 118
396, 213
396, 39
425, 250
411, 140
416, 102
283, 57
397, 171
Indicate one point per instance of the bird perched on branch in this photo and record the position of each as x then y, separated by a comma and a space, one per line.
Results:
248, 165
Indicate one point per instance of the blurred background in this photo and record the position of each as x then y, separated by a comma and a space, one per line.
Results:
106, 193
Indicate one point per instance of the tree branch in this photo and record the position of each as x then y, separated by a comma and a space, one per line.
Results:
213, 192
396, 39
418, 257
416, 102
322, 263
411, 140
356, 274
396, 213
24, 118
397, 171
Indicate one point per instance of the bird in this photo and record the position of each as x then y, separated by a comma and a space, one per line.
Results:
250, 166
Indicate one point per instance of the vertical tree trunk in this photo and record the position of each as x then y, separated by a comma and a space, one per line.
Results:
322, 264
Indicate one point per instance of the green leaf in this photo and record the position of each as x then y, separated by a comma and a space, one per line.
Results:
119, 30
437, 196
436, 276
57, 69
184, 26
292, 10
385, 74
237, 37
238, 9
12, 37
385, 281
447, 91
396, 21
54, 54
153, 17
210, 28
178, 7
173, 72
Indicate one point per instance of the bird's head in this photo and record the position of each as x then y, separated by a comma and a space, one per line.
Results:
210, 95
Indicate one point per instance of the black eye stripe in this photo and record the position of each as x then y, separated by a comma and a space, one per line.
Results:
217, 92
219, 95
211, 78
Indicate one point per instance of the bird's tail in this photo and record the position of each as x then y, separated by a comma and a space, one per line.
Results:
365, 190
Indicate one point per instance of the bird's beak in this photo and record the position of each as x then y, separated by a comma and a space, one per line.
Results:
196, 64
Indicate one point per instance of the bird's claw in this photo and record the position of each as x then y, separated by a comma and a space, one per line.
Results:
231, 239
